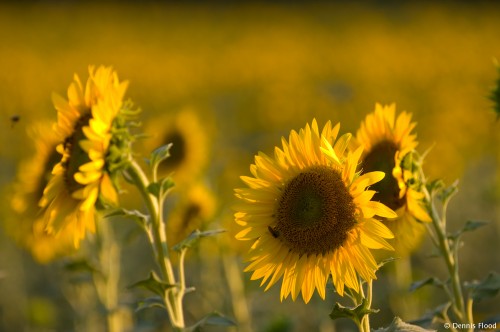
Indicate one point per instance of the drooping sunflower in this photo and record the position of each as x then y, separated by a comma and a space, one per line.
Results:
308, 215
28, 228
190, 144
388, 142
84, 126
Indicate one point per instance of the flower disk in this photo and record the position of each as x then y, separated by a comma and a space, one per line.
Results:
315, 212
387, 142
309, 215
84, 126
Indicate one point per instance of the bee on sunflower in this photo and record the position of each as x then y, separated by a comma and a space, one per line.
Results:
89, 127
308, 214
388, 147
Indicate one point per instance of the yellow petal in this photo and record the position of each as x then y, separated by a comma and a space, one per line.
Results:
372, 208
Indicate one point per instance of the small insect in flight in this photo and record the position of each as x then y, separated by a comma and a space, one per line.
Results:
273, 232
14, 119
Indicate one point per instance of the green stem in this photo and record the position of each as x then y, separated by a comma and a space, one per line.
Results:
450, 261
369, 294
364, 324
182, 282
173, 296
107, 280
450, 256
237, 292
449, 322
470, 318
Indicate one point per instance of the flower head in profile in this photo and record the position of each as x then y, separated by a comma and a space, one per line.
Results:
388, 142
85, 127
28, 229
308, 215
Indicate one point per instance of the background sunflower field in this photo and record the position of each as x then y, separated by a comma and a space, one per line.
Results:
248, 74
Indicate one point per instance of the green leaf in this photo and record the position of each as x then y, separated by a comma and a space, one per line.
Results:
447, 193
214, 318
398, 325
439, 312
115, 213
134, 214
159, 155
435, 186
487, 288
434, 254
194, 237
471, 225
339, 311
429, 281
355, 314
159, 188
154, 189
154, 284
151, 302
80, 265
387, 261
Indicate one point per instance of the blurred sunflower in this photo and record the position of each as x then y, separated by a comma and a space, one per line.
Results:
189, 138
308, 215
195, 206
84, 126
388, 143
33, 175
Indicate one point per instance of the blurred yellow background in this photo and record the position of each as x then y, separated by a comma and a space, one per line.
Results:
253, 72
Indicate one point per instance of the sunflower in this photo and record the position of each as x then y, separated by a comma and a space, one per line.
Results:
84, 127
388, 143
33, 175
189, 138
308, 214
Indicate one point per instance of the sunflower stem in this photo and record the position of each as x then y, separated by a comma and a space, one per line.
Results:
449, 253
237, 292
451, 264
369, 293
470, 316
182, 281
156, 232
364, 321
107, 280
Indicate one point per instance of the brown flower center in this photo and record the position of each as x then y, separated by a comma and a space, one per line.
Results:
52, 159
381, 158
191, 212
315, 212
177, 151
77, 156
